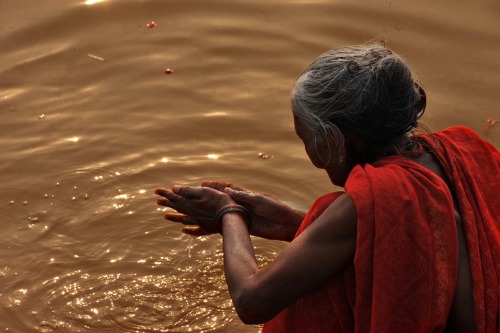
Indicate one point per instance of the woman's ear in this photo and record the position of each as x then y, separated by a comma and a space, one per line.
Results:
336, 137
355, 146
330, 146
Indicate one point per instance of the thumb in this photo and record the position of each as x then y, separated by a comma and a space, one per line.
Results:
241, 196
195, 231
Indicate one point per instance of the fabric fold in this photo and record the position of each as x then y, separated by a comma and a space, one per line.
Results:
404, 273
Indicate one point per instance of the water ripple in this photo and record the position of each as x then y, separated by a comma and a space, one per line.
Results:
130, 302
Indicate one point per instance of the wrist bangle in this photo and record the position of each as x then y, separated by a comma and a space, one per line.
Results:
231, 208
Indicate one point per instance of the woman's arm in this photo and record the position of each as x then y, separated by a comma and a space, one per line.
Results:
307, 263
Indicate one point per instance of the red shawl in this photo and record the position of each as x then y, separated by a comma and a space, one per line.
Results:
404, 273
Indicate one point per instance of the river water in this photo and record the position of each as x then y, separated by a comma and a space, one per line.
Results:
91, 124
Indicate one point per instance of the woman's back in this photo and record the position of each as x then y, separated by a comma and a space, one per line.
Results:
461, 317
471, 168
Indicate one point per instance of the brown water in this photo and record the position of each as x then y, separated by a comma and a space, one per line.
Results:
90, 125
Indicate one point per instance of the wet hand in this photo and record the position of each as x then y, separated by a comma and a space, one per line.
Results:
270, 217
196, 207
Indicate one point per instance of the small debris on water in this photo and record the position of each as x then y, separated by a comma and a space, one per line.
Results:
11, 202
25, 203
96, 57
169, 71
491, 122
45, 196
57, 184
33, 219
86, 196
265, 156
41, 116
151, 24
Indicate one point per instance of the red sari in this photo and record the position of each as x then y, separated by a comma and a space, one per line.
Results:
404, 272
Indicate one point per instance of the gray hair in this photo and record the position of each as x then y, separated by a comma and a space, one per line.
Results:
366, 89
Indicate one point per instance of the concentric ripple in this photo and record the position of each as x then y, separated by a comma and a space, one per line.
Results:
81, 301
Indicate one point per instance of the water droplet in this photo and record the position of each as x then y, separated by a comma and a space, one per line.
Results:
45, 195
57, 184
25, 202
73, 198
11, 202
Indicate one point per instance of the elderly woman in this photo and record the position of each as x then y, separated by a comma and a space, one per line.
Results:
413, 244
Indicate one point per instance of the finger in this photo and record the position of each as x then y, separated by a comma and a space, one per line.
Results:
174, 201
175, 217
164, 202
221, 185
181, 218
160, 191
215, 184
195, 231
174, 205
241, 196
168, 194
186, 219
238, 188
186, 191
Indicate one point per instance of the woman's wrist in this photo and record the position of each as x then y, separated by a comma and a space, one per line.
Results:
232, 208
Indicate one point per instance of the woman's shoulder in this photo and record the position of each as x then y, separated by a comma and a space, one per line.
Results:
464, 140
458, 133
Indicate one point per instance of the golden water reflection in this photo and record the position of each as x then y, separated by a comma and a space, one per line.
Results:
92, 125
93, 2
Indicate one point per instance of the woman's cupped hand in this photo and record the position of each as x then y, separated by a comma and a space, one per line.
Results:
195, 207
